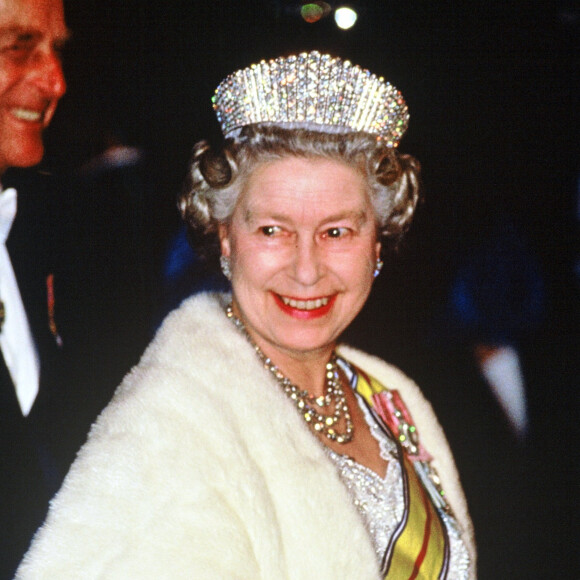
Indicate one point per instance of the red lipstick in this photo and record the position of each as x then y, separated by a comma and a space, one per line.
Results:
304, 314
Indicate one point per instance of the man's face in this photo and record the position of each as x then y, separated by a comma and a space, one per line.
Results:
32, 33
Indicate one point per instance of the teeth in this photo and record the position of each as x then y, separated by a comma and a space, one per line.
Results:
27, 115
305, 304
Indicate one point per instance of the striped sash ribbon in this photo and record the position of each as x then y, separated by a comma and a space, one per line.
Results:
419, 547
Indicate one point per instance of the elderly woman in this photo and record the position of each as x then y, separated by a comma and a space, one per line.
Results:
247, 444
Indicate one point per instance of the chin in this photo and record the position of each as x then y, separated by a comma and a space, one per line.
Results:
309, 343
28, 158
24, 148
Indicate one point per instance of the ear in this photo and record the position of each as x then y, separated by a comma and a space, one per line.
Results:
223, 234
378, 247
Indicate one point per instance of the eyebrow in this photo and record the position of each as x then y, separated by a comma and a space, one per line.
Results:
9, 33
359, 216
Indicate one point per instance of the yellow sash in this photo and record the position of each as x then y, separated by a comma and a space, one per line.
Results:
419, 547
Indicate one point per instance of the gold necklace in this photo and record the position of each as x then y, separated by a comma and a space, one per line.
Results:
312, 409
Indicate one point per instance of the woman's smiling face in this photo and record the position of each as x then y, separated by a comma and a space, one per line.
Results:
303, 245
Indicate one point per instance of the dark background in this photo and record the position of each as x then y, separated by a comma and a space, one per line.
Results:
492, 89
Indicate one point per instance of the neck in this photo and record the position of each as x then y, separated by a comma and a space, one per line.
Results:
306, 369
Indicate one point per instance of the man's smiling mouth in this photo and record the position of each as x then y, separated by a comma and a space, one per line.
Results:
30, 115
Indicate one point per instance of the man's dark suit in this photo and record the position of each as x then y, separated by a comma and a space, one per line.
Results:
28, 467
101, 316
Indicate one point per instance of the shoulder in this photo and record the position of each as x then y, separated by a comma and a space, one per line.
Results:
160, 447
176, 369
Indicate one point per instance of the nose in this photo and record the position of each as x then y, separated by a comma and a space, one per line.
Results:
308, 264
48, 74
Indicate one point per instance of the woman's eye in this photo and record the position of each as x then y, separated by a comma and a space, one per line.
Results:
270, 230
336, 232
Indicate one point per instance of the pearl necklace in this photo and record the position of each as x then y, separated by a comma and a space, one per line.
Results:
311, 408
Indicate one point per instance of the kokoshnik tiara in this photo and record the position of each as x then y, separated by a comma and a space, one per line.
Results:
314, 91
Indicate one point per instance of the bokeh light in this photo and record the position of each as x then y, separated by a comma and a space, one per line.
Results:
314, 11
345, 17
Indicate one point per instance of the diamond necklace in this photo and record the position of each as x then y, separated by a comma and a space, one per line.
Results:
311, 408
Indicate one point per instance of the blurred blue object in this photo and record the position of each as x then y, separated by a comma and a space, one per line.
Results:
497, 294
185, 273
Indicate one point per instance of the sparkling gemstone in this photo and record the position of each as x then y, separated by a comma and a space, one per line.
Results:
312, 88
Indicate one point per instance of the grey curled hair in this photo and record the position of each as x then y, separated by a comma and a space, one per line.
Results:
216, 176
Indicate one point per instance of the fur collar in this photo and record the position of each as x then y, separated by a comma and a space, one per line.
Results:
197, 465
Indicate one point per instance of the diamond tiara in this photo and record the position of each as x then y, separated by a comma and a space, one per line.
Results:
314, 91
